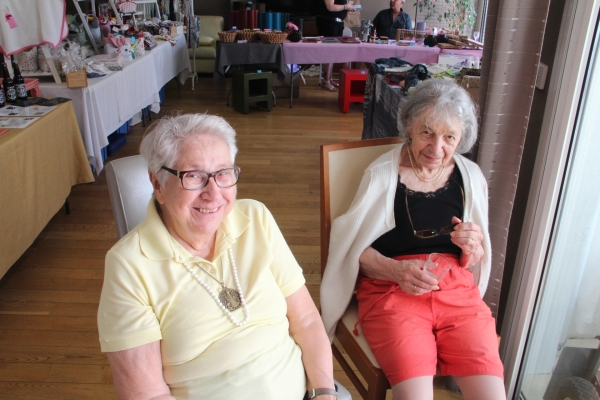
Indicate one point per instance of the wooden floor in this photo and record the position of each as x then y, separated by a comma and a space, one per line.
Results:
48, 300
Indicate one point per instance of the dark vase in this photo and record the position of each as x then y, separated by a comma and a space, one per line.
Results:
294, 36
430, 41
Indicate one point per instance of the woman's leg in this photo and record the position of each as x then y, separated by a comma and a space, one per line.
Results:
477, 387
419, 388
327, 71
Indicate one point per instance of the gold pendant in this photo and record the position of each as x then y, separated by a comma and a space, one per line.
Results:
230, 298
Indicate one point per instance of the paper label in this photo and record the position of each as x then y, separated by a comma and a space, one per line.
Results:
21, 90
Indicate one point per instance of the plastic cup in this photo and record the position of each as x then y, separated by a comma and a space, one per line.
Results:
437, 265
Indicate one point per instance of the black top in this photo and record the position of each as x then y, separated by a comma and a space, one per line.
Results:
386, 27
321, 9
431, 210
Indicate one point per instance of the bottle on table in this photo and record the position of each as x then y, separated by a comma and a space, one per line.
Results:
19, 82
2, 102
9, 86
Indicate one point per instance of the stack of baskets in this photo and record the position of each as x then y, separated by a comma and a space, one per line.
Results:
273, 37
227, 37
250, 36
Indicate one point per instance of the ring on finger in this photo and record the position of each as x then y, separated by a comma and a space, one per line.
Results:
415, 288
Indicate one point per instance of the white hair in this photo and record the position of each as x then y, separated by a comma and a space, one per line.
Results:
441, 100
164, 140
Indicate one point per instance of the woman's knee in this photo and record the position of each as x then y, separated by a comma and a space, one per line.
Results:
419, 388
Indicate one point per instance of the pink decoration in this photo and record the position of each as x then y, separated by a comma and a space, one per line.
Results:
11, 20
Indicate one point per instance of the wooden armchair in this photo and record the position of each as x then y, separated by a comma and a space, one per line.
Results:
342, 167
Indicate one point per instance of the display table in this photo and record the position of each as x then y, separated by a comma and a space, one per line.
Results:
247, 54
38, 166
109, 102
325, 53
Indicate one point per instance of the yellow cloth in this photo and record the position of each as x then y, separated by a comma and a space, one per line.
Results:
38, 167
148, 295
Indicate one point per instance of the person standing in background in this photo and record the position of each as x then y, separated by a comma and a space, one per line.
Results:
386, 22
330, 22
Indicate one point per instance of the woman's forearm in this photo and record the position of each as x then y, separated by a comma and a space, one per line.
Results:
376, 266
332, 7
307, 330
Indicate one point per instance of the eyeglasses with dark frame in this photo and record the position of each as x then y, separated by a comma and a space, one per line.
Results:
431, 233
197, 179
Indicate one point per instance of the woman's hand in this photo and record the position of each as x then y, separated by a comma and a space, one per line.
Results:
467, 236
409, 274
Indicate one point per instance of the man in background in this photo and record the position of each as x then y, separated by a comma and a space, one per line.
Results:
386, 22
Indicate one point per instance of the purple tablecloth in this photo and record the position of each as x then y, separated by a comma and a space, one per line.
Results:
323, 53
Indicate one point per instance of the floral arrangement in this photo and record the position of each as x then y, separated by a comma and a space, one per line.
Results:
458, 14
291, 27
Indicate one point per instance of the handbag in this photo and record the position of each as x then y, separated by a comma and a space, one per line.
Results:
128, 7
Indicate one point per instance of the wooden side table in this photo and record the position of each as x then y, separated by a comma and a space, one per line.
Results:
252, 87
352, 87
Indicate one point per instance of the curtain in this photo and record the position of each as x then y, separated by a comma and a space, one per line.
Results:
514, 32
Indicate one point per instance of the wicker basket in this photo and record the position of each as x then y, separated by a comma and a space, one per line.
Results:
273, 37
227, 37
250, 36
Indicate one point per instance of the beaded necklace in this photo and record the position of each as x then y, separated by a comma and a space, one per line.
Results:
228, 299
416, 171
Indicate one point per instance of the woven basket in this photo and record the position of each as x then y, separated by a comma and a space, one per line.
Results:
227, 37
250, 36
273, 37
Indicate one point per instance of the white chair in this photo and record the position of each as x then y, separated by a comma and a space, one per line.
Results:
130, 191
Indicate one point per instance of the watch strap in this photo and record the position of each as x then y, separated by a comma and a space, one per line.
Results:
312, 393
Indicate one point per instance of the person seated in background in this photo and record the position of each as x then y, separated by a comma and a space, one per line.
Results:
204, 299
387, 21
420, 198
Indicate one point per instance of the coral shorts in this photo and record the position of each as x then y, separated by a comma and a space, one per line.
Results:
409, 335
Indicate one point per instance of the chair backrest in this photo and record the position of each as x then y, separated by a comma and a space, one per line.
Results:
211, 25
342, 168
130, 190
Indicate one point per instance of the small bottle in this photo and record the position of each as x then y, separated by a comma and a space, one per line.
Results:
9, 86
2, 102
19, 82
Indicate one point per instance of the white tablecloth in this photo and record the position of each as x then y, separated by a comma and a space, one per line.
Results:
110, 101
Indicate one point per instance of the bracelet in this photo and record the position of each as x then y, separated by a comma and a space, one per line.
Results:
344, 7
312, 393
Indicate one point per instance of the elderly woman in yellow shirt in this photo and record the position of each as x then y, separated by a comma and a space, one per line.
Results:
204, 298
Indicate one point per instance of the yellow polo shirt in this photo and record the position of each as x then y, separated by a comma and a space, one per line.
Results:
148, 295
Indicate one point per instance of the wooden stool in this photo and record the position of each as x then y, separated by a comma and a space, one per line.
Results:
33, 85
252, 87
352, 87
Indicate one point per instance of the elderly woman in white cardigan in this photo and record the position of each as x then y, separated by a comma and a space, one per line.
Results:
418, 199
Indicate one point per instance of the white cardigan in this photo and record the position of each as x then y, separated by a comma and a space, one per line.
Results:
371, 214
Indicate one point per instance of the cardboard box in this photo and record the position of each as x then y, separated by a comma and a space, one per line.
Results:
77, 79
177, 30
452, 60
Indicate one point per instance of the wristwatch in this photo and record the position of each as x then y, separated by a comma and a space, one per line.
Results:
312, 393
345, 6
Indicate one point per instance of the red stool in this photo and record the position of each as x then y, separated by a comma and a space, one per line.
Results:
33, 85
352, 87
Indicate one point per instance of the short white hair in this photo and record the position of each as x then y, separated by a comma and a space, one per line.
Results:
164, 140
442, 100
